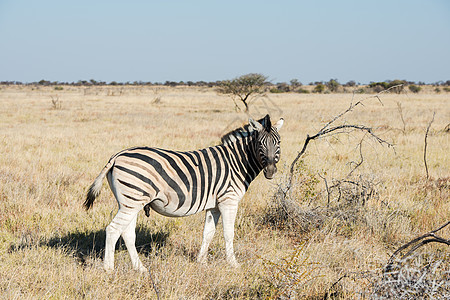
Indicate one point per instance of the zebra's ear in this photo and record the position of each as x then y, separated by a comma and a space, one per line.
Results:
266, 123
279, 124
255, 125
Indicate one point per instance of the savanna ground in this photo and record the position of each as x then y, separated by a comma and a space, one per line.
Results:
51, 248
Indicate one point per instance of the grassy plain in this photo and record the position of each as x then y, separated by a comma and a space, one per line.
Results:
50, 248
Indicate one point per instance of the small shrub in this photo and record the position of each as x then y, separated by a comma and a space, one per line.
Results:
288, 276
378, 88
302, 91
56, 103
283, 87
275, 91
320, 88
383, 85
295, 83
157, 100
58, 88
447, 89
414, 88
351, 83
437, 90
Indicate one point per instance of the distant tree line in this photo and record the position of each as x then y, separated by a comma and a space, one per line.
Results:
93, 82
294, 85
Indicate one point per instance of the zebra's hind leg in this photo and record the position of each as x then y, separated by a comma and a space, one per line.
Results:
211, 219
129, 237
117, 227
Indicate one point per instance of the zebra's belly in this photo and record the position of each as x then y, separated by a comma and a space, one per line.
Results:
172, 205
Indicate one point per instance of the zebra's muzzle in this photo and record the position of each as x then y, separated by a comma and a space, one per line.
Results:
269, 171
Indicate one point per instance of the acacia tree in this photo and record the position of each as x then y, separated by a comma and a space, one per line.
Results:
244, 88
333, 85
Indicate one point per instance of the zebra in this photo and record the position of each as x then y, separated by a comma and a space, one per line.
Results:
178, 184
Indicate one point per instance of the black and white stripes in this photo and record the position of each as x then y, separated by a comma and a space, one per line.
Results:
178, 184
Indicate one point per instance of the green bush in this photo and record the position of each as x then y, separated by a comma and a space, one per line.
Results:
302, 91
283, 87
350, 83
58, 88
384, 85
414, 88
320, 88
333, 85
275, 90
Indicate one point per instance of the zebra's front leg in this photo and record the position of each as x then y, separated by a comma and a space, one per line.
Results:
228, 210
211, 219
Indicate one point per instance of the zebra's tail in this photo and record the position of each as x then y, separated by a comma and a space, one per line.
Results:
96, 186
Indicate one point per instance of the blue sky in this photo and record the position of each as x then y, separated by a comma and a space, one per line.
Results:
215, 40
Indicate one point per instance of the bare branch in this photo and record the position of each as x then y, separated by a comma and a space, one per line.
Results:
153, 284
400, 111
360, 102
426, 144
417, 243
352, 275
447, 128
327, 131
358, 164
327, 189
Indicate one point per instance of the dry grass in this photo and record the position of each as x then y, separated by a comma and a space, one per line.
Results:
51, 248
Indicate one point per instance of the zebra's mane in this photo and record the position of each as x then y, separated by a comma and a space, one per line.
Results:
242, 132
237, 134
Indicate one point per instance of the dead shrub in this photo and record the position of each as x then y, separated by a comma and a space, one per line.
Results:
420, 277
303, 209
285, 211
414, 273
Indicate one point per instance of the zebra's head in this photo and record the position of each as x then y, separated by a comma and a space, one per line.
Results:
267, 146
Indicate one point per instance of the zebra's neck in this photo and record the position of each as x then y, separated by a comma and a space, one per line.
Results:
244, 161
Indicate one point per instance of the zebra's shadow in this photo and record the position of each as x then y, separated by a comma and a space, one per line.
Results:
91, 244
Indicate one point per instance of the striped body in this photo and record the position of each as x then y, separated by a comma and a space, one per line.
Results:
178, 184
